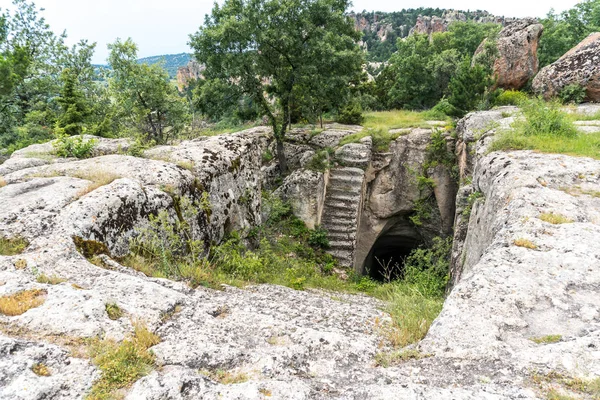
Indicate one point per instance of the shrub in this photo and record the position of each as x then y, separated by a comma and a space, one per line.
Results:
574, 94
511, 98
318, 238
351, 114
545, 118
442, 110
77, 146
20, 302
428, 268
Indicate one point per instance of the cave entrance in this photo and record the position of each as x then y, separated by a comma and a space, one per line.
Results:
385, 261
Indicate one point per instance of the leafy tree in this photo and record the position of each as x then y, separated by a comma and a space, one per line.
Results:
144, 93
270, 49
565, 30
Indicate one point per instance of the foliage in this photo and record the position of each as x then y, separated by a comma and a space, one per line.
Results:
419, 74
565, 30
318, 238
547, 339
573, 93
511, 98
545, 119
20, 302
74, 107
77, 146
278, 53
351, 114
122, 363
145, 93
427, 268
12, 246
321, 161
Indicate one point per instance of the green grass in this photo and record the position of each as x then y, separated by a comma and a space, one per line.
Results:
121, 364
12, 246
548, 129
547, 339
377, 124
555, 219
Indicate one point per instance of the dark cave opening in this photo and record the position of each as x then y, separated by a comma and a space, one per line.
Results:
385, 261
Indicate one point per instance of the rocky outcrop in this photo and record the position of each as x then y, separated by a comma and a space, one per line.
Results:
191, 72
579, 66
518, 275
517, 61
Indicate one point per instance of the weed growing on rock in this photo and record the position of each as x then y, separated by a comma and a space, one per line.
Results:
2, 182
555, 219
98, 179
40, 369
528, 244
12, 247
122, 363
49, 280
20, 302
226, 377
397, 357
321, 161
90, 248
113, 310
547, 339
473, 197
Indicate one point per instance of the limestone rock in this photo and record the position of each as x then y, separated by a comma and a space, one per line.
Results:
517, 62
305, 191
580, 65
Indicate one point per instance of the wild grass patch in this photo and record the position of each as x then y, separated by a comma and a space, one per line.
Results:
558, 386
12, 246
20, 302
548, 129
547, 339
226, 377
121, 364
49, 280
555, 219
2, 182
397, 357
526, 243
98, 178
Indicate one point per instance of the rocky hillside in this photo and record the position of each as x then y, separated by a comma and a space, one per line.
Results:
522, 320
381, 29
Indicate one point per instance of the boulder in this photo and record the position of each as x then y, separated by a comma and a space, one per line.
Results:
580, 65
517, 62
305, 191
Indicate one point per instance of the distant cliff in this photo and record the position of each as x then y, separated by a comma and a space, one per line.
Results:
381, 29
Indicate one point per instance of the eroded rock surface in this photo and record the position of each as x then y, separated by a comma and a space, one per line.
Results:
275, 342
578, 66
517, 61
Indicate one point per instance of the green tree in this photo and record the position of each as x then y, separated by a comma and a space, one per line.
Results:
565, 30
144, 94
270, 48
74, 107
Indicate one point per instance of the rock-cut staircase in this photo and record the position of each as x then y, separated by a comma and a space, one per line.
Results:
343, 200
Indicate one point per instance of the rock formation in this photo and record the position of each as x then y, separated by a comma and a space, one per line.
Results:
311, 344
579, 66
517, 61
191, 72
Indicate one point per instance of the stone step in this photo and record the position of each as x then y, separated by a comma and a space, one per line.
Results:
340, 226
337, 214
344, 196
347, 171
346, 182
344, 257
354, 162
337, 236
339, 194
341, 244
338, 204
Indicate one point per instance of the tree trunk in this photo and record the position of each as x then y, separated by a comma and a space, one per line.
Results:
281, 156
321, 118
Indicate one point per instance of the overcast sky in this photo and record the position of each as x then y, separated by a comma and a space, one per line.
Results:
163, 26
